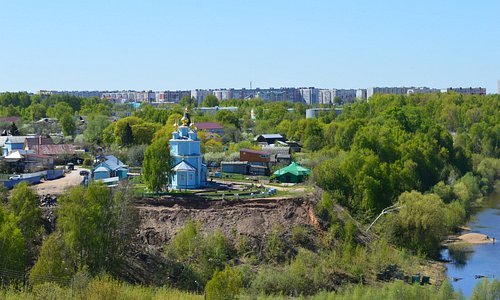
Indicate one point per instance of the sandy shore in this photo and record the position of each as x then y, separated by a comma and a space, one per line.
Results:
475, 238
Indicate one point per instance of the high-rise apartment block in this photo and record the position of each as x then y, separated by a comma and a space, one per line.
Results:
307, 95
467, 91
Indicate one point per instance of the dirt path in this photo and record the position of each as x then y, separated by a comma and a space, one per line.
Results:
58, 186
282, 187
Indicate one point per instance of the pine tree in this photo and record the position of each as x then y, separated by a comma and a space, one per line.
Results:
128, 136
14, 130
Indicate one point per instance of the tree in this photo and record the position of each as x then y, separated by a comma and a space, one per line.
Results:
36, 111
213, 146
337, 100
135, 155
227, 117
157, 165
59, 110
188, 101
128, 137
231, 134
68, 125
12, 243
96, 226
118, 129
53, 261
14, 130
23, 203
95, 127
423, 221
143, 133
210, 101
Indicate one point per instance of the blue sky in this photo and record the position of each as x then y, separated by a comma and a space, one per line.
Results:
159, 45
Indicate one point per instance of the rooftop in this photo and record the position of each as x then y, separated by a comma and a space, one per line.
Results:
254, 151
208, 125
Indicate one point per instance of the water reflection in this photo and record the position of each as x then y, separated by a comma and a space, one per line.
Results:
469, 263
459, 254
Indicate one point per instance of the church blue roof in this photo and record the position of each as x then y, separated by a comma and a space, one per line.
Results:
183, 166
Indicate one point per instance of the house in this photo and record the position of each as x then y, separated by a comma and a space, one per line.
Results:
236, 167
61, 153
109, 166
244, 167
13, 143
27, 161
292, 173
3, 139
255, 157
212, 127
269, 138
294, 146
31, 141
278, 154
258, 170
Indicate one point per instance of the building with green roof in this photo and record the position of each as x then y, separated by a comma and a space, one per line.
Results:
293, 173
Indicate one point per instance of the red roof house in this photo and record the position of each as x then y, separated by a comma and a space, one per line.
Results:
213, 127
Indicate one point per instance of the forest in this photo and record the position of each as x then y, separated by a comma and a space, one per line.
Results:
433, 156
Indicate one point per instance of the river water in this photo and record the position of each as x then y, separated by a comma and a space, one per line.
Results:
484, 260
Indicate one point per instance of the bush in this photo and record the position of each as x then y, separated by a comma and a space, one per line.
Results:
87, 162
225, 284
103, 287
486, 290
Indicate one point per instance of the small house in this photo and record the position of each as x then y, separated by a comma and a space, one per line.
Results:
269, 138
292, 173
61, 153
13, 143
278, 154
212, 127
109, 166
255, 157
236, 167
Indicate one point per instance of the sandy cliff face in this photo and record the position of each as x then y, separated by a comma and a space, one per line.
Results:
160, 220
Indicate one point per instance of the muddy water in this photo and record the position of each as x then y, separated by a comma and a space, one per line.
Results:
466, 268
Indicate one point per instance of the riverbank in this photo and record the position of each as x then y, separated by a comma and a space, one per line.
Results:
472, 238
472, 254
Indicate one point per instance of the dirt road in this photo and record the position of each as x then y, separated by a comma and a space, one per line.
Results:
58, 186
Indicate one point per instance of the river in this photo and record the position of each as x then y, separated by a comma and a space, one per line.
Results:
484, 259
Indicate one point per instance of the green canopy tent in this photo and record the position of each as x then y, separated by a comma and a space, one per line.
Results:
293, 173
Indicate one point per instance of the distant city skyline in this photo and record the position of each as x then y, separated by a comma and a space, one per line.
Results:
186, 45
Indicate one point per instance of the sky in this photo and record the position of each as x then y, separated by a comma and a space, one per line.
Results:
188, 44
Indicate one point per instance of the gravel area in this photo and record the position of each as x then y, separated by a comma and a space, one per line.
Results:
58, 186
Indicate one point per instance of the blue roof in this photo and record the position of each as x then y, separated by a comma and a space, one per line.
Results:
101, 169
112, 162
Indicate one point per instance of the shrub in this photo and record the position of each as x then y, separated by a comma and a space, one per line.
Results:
225, 284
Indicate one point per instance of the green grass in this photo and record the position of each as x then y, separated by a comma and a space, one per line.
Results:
98, 288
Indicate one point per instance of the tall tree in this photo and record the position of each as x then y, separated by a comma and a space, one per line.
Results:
128, 136
210, 101
95, 127
14, 130
157, 165
96, 226
23, 203
68, 125
12, 243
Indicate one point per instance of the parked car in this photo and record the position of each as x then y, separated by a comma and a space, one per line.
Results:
16, 177
71, 166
